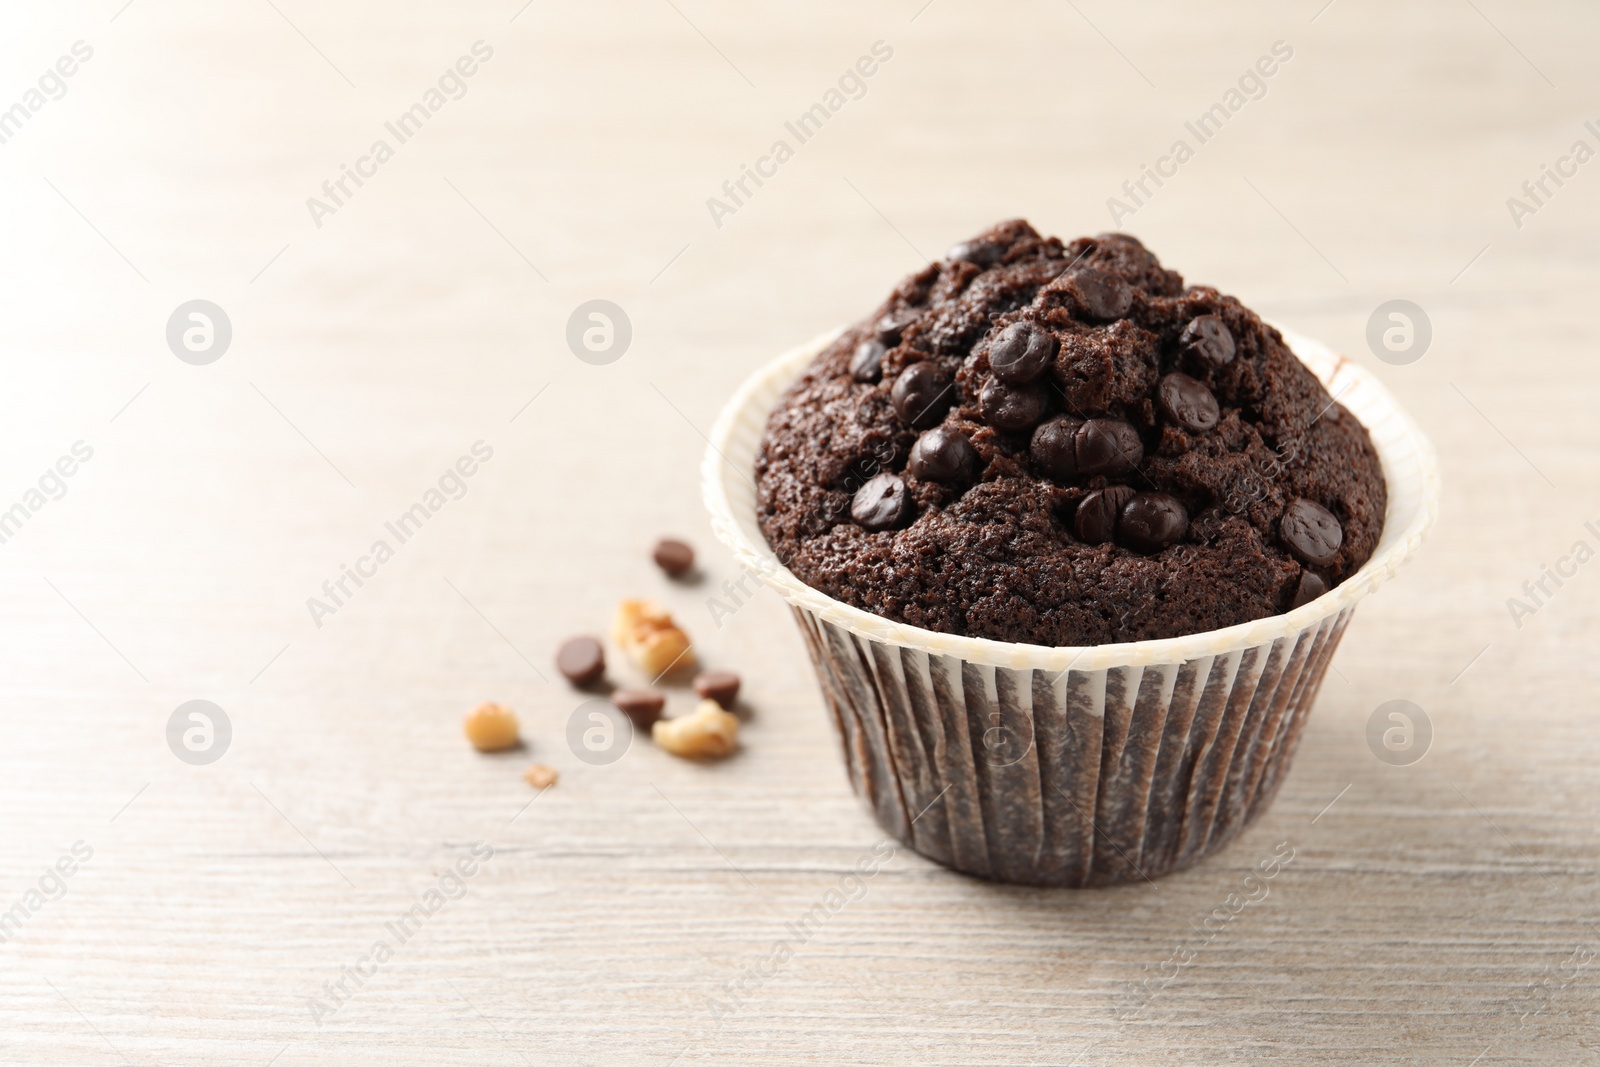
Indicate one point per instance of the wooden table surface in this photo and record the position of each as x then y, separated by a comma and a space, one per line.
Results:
1443, 911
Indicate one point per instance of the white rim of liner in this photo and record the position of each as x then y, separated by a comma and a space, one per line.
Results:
1410, 467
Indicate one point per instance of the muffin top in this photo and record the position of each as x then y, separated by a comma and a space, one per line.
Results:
1061, 444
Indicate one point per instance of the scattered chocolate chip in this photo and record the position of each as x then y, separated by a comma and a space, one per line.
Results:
581, 660
1012, 407
1208, 341
946, 456
1187, 402
892, 326
1310, 531
1151, 521
1021, 353
1096, 520
674, 557
721, 686
867, 363
1311, 586
882, 504
1107, 446
1101, 294
922, 394
984, 255
643, 706
1053, 449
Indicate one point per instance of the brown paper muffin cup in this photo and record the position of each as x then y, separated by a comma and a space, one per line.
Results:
1070, 766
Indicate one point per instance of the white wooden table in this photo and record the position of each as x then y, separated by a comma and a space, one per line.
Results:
1442, 912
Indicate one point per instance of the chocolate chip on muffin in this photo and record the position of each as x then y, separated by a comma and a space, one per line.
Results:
881, 504
1187, 402
1054, 448
1107, 446
1096, 520
983, 253
1308, 588
867, 364
890, 327
1062, 435
1015, 408
1207, 340
1101, 294
1311, 532
945, 455
922, 394
1021, 353
1150, 522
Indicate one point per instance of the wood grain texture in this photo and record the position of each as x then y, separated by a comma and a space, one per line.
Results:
1439, 913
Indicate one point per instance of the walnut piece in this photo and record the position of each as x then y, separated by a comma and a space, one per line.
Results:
708, 732
540, 775
645, 631
491, 727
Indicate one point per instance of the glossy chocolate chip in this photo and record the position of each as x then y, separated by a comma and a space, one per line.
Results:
673, 557
721, 686
1101, 294
867, 363
1013, 408
1096, 520
581, 660
643, 706
1309, 588
1021, 353
946, 456
882, 504
891, 327
1310, 531
984, 255
1054, 448
922, 394
1208, 341
1151, 521
1107, 446
1187, 402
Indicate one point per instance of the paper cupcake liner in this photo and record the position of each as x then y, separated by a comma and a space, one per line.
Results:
1071, 766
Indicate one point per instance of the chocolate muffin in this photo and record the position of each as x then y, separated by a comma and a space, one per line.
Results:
1061, 444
